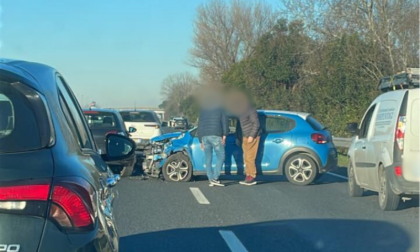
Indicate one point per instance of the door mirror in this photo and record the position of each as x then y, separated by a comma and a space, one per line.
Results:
119, 147
132, 130
164, 124
352, 128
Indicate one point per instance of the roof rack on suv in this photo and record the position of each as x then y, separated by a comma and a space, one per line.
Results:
404, 80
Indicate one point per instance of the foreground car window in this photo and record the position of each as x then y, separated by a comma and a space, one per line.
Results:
19, 130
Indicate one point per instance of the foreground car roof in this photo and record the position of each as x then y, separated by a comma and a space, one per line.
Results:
38, 75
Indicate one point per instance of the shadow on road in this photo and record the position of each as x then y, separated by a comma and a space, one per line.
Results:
288, 235
265, 179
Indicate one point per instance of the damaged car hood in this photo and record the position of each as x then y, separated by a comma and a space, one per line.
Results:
165, 137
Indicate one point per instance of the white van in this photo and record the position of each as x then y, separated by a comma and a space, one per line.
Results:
385, 155
142, 125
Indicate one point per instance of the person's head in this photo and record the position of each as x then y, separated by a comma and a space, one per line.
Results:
237, 102
210, 97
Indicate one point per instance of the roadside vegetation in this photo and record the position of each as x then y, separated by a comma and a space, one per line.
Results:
324, 57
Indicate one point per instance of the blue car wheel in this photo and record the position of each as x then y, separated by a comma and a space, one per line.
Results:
177, 168
301, 169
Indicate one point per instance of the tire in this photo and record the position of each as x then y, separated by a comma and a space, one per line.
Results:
126, 171
177, 168
354, 189
301, 169
388, 200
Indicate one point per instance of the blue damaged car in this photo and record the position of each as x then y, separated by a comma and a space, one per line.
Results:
293, 144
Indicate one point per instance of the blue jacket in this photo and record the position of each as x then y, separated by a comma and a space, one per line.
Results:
212, 122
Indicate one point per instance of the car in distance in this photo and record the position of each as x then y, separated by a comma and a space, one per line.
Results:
384, 155
146, 123
55, 188
293, 144
180, 123
108, 121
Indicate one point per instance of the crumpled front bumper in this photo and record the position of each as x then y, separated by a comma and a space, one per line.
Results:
153, 158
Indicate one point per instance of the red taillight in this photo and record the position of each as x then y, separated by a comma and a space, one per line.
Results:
73, 205
319, 138
115, 132
90, 112
25, 192
400, 132
398, 171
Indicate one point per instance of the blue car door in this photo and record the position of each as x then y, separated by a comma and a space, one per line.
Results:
276, 139
234, 162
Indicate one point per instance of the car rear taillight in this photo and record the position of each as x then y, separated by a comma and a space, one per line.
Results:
73, 201
24, 192
115, 132
400, 132
73, 204
398, 171
319, 138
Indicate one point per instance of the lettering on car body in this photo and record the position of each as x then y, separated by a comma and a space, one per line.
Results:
9, 247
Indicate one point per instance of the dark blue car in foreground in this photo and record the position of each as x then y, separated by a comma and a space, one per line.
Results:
55, 187
293, 144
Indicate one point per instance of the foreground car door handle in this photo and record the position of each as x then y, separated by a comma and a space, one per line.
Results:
278, 140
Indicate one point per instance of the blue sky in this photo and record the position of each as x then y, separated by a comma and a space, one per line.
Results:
113, 52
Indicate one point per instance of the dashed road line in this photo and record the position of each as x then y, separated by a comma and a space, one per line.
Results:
338, 176
232, 241
199, 196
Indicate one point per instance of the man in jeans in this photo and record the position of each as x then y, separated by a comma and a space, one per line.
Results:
212, 131
250, 138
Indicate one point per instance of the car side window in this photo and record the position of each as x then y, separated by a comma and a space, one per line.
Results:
73, 115
364, 127
277, 124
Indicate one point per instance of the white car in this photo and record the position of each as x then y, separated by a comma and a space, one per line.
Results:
144, 124
385, 156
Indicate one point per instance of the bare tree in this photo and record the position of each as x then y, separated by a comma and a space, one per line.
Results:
225, 33
391, 26
176, 88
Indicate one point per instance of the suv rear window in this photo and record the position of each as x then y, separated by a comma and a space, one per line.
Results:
19, 123
138, 116
314, 123
98, 119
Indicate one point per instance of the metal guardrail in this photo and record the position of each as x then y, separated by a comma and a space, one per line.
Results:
341, 142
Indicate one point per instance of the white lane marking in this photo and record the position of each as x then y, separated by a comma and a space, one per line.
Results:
232, 241
338, 176
199, 196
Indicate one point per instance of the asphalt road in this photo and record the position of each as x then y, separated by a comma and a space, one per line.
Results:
154, 215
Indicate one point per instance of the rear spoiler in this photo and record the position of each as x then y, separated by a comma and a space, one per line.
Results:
404, 80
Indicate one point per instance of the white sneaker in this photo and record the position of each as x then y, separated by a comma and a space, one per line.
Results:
216, 183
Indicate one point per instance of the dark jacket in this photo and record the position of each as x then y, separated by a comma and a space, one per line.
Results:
250, 124
212, 122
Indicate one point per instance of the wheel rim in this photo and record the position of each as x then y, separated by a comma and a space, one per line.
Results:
177, 170
300, 170
382, 190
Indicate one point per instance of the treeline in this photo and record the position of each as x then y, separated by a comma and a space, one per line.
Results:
324, 57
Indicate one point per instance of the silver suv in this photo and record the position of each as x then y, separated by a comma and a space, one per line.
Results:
385, 155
